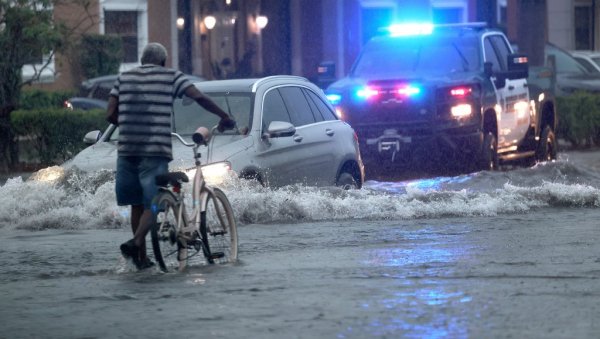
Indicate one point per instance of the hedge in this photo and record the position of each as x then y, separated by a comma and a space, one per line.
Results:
56, 133
579, 119
32, 99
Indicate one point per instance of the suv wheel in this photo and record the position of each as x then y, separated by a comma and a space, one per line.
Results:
346, 181
547, 146
488, 160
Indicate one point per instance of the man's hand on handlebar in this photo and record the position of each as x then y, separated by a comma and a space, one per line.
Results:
226, 124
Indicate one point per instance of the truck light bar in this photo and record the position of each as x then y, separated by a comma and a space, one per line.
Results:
408, 29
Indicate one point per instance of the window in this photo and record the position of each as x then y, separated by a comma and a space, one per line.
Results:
588, 65
323, 110
372, 18
125, 25
38, 64
274, 109
418, 55
502, 49
129, 20
33, 69
448, 15
583, 27
297, 105
449, 11
491, 56
188, 115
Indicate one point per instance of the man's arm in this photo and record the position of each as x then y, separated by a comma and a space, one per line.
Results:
205, 102
112, 111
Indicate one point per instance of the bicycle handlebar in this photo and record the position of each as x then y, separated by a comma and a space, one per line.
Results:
202, 135
188, 144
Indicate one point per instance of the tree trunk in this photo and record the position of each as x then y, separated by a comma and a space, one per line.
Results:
7, 146
10, 92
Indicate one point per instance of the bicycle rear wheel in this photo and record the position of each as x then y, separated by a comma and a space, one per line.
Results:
164, 231
218, 229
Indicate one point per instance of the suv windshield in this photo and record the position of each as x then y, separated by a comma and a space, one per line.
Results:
189, 115
417, 56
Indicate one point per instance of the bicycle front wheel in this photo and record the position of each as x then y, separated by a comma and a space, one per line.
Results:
164, 231
218, 229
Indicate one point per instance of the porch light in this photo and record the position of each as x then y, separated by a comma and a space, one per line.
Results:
210, 22
180, 23
261, 21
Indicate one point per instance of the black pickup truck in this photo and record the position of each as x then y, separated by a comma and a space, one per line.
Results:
455, 93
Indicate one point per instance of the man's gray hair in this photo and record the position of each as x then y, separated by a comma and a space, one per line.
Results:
155, 54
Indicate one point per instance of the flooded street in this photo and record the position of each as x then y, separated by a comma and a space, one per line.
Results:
504, 254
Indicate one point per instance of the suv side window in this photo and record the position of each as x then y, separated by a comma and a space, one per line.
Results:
274, 109
502, 49
297, 105
491, 56
315, 111
324, 110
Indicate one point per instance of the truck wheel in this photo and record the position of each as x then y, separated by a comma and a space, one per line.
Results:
547, 147
488, 160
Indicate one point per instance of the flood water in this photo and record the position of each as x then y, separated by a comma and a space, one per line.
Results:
491, 254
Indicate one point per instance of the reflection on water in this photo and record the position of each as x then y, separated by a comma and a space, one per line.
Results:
428, 301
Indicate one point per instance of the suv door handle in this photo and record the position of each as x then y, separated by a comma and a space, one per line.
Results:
329, 132
297, 138
511, 87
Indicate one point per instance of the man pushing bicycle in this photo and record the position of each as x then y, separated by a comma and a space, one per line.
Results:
141, 104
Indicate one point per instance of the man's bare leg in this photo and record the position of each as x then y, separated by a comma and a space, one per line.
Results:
136, 215
144, 223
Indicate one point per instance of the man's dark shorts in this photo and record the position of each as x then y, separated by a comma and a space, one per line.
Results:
135, 179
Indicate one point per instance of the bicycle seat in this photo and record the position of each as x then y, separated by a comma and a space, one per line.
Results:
173, 179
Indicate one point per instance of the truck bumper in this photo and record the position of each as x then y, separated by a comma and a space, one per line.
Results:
395, 143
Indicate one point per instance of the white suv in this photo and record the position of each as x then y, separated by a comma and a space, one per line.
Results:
287, 133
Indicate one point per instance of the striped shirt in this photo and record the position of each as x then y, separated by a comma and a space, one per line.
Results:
146, 95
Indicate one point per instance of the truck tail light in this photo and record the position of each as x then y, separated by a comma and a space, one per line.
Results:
460, 92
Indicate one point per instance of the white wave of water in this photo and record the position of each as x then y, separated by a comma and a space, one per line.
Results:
87, 201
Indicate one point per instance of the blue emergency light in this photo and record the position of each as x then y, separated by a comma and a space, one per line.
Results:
409, 29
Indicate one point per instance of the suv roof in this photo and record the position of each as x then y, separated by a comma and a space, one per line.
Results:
245, 85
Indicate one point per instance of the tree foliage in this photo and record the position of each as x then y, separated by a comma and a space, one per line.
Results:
100, 54
28, 31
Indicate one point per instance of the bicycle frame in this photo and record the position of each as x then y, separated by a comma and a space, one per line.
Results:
200, 195
209, 227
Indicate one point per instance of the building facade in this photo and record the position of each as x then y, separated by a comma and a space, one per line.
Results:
218, 39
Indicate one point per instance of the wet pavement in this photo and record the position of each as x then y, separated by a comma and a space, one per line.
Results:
535, 275
511, 254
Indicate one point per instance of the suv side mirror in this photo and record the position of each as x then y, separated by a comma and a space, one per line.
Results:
278, 129
518, 66
92, 137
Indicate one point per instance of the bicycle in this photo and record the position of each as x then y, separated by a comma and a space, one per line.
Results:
210, 227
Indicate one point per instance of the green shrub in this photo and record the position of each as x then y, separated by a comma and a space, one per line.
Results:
57, 134
32, 99
100, 54
579, 118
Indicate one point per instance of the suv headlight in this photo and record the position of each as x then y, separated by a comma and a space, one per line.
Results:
216, 173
